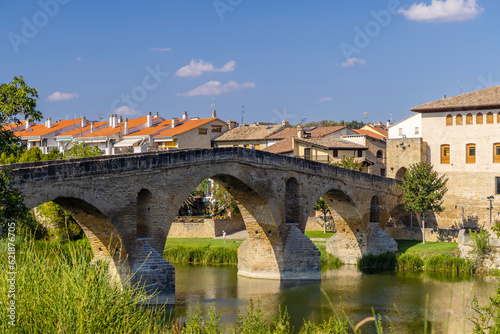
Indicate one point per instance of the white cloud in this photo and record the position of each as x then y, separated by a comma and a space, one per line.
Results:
196, 68
58, 96
326, 99
160, 49
352, 62
216, 88
127, 111
443, 11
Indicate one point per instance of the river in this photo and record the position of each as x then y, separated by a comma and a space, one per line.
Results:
399, 296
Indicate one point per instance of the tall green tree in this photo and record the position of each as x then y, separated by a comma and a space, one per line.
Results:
423, 190
322, 206
17, 102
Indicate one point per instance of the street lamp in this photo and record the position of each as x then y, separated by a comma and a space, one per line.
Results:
490, 198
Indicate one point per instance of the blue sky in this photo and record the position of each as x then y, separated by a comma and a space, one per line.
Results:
280, 59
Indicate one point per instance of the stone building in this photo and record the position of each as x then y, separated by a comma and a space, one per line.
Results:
376, 152
460, 138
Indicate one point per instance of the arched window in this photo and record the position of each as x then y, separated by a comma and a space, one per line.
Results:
449, 120
445, 154
489, 118
479, 118
460, 120
380, 154
468, 119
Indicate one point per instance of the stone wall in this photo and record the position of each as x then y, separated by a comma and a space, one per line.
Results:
431, 234
403, 152
209, 228
316, 224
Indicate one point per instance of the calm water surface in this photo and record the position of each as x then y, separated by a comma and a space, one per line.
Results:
399, 296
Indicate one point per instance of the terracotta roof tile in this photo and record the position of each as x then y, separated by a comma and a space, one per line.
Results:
331, 143
38, 130
370, 133
185, 126
110, 131
322, 131
281, 147
154, 129
78, 131
487, 98
252, 132
13, 126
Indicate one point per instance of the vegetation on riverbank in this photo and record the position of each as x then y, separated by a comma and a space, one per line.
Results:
428, 249
319, 234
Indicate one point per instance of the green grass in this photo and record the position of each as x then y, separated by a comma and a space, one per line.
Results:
203, 242
319, 234
429, 249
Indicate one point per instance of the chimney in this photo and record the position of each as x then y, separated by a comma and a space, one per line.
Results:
48, 123
28, 125
84, 122
120, 120
149, 120
285, 123
444, 97
300, 132
175, 122
185, 115
214, 114
156, 115
125, 127
91, 127
388, 123
232, 124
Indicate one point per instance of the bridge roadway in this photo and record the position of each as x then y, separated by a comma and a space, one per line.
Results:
125, 204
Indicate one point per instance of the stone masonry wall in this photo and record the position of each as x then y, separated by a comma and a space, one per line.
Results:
431, 234
403, 152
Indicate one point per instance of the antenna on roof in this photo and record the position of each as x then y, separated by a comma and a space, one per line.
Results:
213, 103
365, 115
303, 120
390, 117
242, 113
461, 90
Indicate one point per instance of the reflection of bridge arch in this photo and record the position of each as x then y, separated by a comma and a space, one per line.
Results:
136, 198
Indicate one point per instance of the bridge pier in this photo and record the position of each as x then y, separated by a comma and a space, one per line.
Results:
264, 254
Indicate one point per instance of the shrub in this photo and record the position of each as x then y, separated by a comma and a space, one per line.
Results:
201, 254
410, 262
377, 263
446, 263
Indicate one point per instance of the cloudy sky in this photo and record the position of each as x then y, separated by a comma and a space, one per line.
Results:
296, 60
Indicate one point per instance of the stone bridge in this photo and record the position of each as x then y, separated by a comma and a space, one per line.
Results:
126, 204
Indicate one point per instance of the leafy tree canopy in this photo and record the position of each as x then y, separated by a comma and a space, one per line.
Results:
17, 102
350, 125
349, 163
79, 150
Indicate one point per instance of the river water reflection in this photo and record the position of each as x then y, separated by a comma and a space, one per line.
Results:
400, 296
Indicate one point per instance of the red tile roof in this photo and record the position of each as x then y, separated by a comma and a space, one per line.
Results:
110, 131
154, 129
38, 130
322, 131
281, 147
370, 133
13, 126
78, 131
185, 126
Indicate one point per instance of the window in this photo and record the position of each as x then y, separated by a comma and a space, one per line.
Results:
416, 130
468, 119
380, 154
335, 153
479, 118
360, 153
400, 131
257, 146
307, 153
459, 120
489, 118
498, 117
471, 153
246, 146
202, 131
496, 153
449, 120
498, 185
382, 172
445, 154
216, 128
236, 145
